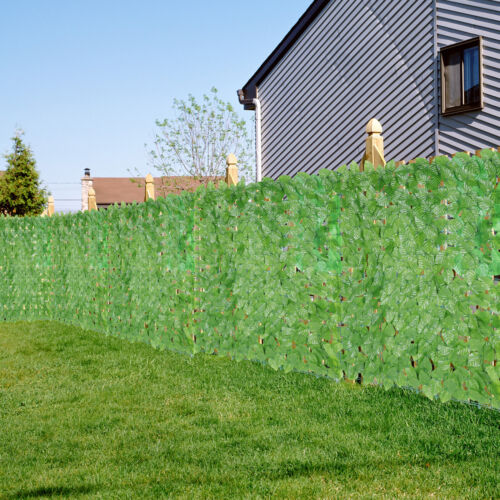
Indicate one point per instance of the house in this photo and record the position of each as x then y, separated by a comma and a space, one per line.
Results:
111, 190
428, 70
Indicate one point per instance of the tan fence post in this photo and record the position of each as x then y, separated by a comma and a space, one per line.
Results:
50, 206
374, 152
150, 188
231, 170
478, 151
92, 200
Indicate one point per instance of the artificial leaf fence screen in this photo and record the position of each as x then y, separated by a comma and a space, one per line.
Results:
385, 275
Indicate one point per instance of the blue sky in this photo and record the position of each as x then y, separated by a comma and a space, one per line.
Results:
86, 79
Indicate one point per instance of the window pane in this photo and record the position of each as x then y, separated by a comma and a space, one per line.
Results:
452, 77
471, 75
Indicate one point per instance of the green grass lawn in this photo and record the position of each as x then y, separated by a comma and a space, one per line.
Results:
88, 416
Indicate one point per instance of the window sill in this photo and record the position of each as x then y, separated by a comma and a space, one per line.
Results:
462, 109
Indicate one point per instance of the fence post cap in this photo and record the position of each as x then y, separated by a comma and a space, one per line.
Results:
149, 178
231, 160
51, 199
373, 127
91, 192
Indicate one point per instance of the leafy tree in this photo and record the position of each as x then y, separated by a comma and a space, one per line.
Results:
197, 141
20, 190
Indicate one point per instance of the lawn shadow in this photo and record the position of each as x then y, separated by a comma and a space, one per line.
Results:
49, 491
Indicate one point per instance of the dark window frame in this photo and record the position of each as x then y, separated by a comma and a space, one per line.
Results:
460, 47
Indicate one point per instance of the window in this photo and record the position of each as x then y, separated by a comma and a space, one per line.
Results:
461, 77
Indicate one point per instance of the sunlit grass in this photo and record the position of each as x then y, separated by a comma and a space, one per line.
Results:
87, 416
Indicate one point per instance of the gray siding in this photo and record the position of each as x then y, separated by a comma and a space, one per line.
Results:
458, 21
359, 59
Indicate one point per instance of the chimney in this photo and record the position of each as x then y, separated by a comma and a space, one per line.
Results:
86, 185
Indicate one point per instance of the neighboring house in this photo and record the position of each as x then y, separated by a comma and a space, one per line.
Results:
111, 190
346, 61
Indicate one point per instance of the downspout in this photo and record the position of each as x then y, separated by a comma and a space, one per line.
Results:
255, 103
436, 59
258, 139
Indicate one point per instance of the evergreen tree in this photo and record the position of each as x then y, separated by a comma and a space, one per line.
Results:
20, 190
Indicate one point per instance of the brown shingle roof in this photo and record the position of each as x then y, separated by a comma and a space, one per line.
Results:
111, 190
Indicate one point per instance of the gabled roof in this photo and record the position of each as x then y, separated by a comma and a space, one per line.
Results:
279, 52
111, 190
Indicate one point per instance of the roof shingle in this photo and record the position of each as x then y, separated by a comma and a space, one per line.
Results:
111, 190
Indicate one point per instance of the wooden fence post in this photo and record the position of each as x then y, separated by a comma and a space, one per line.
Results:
150, 188
231, 170
50, 206
92, 200
374, 152
478, 151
